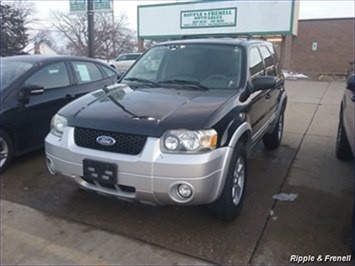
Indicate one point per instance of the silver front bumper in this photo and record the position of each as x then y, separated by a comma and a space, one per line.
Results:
154, 175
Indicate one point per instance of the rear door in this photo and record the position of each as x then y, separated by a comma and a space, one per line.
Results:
89, 77
257, 109
271, 70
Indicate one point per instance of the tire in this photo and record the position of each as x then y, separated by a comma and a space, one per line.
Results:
6, 151
343, 149
228, 206
273, 140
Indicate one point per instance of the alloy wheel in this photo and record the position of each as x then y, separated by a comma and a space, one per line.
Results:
4, 151
238, 181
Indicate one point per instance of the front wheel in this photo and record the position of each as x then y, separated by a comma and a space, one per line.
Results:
229, 204
6, 151
273, 140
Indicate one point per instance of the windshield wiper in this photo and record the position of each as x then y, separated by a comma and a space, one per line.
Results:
195, 84
146, 81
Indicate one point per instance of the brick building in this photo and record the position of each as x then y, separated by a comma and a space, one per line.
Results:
322, 46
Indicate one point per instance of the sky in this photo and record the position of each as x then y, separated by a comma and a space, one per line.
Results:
308, 9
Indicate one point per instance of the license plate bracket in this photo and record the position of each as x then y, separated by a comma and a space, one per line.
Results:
101, 172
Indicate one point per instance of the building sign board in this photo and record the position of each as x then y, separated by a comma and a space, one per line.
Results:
103, 5
80, 6
225, 18
222, 17
76, 6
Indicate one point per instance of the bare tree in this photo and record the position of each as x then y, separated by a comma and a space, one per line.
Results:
111, 37
25, 8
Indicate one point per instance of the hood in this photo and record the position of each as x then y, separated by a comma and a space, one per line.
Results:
145, 111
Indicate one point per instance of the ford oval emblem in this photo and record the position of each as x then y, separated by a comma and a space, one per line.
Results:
106, 141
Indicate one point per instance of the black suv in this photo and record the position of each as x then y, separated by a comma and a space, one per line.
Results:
177, 128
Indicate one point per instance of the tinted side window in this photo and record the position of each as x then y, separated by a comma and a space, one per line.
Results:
256, 62
122, 58
50, 77
269, 61
132, 57
86, 72
109, 72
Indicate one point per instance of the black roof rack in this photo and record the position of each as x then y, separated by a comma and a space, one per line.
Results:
239, 36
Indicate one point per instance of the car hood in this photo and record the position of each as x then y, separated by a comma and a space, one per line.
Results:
145, 111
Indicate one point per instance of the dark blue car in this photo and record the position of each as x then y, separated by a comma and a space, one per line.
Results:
33, 89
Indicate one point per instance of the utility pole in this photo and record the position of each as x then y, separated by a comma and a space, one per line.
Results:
91, 37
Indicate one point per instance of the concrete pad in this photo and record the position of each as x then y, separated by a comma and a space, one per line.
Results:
317, 168
326, 121
334, 93
319, 221
17, 245
291, 140
306, 91
66, 243
315, 224
298, 117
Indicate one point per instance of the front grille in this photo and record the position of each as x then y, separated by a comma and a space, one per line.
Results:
125, 143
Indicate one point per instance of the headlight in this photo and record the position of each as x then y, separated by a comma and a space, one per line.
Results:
58, 124
188, 141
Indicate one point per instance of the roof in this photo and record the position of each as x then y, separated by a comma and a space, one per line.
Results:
44, 58
225, 41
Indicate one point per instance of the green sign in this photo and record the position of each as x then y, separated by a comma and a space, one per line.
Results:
102, 5
77, 6
80, 6
223, 17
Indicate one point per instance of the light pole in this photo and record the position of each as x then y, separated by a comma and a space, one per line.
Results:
91, 37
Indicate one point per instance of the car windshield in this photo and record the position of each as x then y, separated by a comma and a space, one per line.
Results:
199, 65
11, 70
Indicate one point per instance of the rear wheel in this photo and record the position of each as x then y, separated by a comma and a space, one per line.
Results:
273, 140
229, 204
6, 151
343, 149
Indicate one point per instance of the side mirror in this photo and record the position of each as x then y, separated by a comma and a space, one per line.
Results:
259, 83
29, 89
351, 83
263, 83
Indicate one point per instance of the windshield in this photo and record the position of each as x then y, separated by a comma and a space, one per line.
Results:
207, 65
11, 70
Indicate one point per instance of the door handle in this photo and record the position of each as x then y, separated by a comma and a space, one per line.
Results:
268, 96
353, 98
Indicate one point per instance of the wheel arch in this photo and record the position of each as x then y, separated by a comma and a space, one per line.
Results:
6, 128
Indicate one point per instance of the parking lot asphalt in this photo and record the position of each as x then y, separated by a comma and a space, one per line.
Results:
69, 224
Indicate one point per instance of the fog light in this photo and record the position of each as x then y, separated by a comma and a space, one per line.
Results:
50, 166
184, 191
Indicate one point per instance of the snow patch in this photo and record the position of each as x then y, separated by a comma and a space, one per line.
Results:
285, 197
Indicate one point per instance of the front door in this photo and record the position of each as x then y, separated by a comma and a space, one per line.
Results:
32, 120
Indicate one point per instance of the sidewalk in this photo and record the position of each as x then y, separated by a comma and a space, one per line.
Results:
32, 238
319, 221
